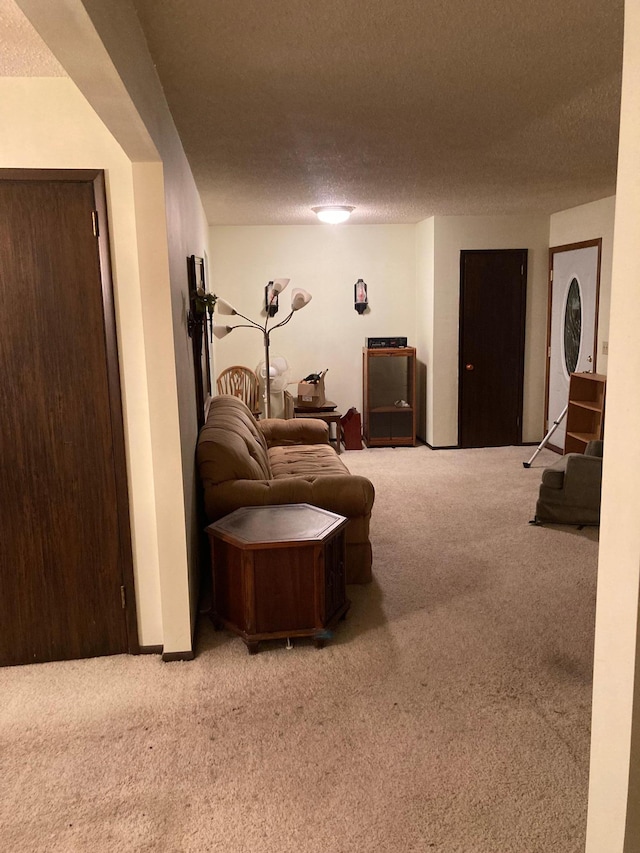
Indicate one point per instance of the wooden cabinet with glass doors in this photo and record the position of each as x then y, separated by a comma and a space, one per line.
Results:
389, 396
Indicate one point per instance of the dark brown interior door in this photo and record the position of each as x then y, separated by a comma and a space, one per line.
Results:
65, 552
492, 316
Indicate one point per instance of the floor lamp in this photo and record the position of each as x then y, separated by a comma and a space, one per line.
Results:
299, 298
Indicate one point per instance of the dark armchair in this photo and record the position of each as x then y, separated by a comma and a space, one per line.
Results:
570, 488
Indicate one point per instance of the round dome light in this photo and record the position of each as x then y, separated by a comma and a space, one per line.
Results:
334, 214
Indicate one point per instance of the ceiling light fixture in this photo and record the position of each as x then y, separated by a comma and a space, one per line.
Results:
334, 214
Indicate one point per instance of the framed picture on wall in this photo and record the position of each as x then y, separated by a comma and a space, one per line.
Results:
199, 338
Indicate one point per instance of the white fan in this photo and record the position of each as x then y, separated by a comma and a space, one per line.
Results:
279, 374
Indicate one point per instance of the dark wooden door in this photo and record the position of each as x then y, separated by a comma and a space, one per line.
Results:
65, 552
492, 316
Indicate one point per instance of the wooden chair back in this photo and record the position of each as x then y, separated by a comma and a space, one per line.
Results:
240, 382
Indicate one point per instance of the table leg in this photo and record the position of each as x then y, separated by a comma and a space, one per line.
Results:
336, 423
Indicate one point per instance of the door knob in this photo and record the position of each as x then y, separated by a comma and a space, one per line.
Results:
469, 367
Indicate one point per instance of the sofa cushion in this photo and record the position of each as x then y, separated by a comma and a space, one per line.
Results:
230, 445
305, 460
278, 432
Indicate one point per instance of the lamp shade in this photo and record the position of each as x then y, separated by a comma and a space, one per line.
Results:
279, 284
299, 298
221, 331
223, 307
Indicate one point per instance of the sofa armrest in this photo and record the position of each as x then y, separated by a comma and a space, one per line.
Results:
594, 447
278, 431
583, 479
349, 495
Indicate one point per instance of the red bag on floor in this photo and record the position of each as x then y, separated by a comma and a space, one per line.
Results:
351, 428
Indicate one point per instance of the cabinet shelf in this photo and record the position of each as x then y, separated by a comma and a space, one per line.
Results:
585, 412
584, 436
388, 375
391, 409
581, 404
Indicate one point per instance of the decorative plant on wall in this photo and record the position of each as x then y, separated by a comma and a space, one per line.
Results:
200, 314
204, 304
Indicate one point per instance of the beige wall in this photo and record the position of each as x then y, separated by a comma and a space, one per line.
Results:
588, 222
101, 46
48, 124
325, 260
185, 232
425, 299
452, 234
413, 275
614, 797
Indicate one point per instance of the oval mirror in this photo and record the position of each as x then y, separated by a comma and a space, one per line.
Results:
572, 326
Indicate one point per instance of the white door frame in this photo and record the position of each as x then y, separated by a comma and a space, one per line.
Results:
554, 250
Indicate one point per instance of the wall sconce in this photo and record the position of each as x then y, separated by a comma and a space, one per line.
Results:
270, 299
360, 296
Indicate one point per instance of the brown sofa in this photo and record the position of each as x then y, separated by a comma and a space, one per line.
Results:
244, 462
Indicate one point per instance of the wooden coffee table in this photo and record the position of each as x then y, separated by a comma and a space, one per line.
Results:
278, 571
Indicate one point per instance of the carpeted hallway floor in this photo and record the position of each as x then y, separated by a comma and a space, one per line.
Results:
450, 713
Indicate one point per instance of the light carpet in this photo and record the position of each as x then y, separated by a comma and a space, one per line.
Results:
450, 713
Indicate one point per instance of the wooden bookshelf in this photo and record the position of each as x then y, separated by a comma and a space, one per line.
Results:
585, 415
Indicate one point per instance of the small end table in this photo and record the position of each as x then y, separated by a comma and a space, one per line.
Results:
279, 572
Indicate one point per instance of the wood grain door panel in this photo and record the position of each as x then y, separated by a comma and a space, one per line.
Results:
61, 547
491, 370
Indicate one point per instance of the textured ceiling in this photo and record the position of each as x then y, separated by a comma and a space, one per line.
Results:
403, 108
22, 51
